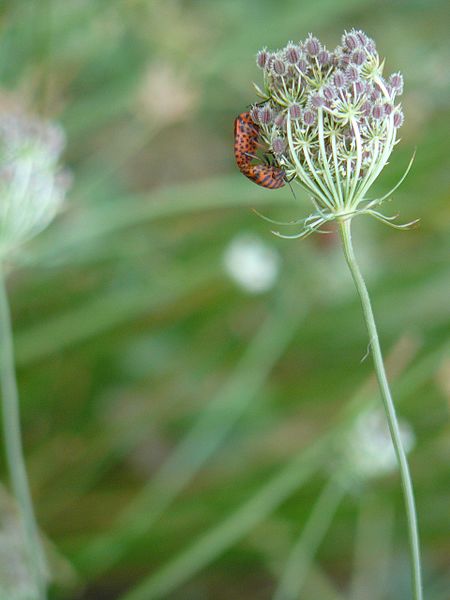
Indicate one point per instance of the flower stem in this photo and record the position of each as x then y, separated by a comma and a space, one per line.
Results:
414, 548
13, 446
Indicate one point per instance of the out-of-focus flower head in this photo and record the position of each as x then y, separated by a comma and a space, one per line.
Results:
334, 122
165, 96
368, 449
32, 183
251, 263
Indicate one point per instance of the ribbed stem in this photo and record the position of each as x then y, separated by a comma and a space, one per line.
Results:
414, 547
13, 446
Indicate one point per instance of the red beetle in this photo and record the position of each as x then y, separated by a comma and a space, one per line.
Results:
246, 134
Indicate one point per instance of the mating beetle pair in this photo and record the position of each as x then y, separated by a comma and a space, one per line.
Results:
246, 134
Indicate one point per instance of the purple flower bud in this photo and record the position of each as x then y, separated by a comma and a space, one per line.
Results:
279, 67
362, 37
344, 60
295, 111
360, 87
334, 60
309, 118
323, 58
265, 114
254, 113
292, 54
339, 79
378, 111
389, 90
312, 45
366, 108
262, 57
350, 41
280, 120
269, 62
358, 57
302, 65
398, 118
329, 92
367, 156
375, 93
352, 74
370, 46
362, 122
396, 81
317, 100
388, 108
278, 145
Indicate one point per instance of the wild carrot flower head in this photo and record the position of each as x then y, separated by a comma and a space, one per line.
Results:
335, 121
32, 184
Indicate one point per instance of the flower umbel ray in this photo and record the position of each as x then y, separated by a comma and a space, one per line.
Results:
331, 119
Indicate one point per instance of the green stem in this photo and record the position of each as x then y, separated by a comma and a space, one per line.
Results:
414, 548
13, 445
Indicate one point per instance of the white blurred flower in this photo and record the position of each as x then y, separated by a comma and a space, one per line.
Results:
369, 451
165, 96
252, 263
32, 185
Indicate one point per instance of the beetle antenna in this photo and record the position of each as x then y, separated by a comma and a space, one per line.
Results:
288, 181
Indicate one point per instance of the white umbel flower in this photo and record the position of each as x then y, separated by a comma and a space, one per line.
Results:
32, 184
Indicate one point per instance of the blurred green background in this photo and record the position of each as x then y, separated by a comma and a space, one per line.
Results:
178, 428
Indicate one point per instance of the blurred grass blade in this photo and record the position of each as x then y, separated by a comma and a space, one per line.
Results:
211, 545
304, 550
373, 549
268, 498
319, 585
203, 439
107, 311
94, 223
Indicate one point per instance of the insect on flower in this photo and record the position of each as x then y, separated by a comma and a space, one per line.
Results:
246, 134
331, 119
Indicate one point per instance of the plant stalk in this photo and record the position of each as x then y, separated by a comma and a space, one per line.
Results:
13, 446
408, 493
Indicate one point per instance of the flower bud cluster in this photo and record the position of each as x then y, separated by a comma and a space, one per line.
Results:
32, 184
330, 117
